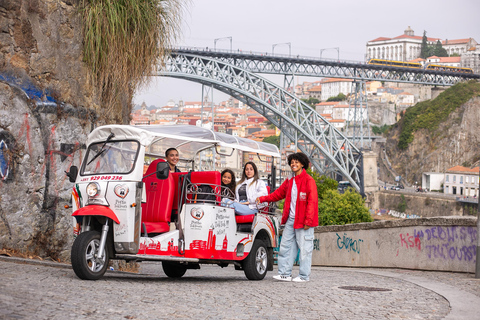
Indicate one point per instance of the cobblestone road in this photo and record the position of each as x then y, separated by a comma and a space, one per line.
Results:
40, 291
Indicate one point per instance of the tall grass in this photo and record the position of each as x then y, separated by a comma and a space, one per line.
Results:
124, 42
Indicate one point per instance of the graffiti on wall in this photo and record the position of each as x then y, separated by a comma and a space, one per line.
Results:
439, 242
349, 244
7, 147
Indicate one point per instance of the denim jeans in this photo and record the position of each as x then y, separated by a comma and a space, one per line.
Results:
292, 240
240, 209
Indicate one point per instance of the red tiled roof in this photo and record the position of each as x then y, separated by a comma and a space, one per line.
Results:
464, 169
455, 41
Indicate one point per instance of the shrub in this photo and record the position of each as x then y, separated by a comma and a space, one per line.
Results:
340, 209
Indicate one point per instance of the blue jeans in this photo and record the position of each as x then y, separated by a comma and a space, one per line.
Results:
240, 209
292, 240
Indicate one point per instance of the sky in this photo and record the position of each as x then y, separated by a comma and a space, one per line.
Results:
310, 26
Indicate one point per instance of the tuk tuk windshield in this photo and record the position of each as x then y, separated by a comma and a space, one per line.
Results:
110, 157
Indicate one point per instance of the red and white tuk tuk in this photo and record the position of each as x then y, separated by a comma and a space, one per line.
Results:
128, 206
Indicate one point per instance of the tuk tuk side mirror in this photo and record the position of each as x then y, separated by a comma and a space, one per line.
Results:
163, 169
72, 174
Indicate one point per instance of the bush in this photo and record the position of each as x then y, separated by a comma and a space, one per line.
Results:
340, 209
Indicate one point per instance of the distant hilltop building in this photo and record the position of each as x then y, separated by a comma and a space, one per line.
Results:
407, 47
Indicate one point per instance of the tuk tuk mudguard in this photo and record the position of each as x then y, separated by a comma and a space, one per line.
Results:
96, 210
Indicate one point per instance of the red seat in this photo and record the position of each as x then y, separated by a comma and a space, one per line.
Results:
157, 210
209, 178
249, 218
177, 190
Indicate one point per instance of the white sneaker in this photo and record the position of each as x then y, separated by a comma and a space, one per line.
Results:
298, 279
282, 278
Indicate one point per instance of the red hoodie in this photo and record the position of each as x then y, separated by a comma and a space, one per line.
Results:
306, 209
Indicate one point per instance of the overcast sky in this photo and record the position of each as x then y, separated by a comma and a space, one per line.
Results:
309, 26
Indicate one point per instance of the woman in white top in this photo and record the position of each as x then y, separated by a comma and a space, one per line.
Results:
249, 188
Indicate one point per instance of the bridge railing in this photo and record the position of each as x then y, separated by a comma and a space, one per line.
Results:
261, 54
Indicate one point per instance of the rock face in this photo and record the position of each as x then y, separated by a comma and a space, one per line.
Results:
39, 142
47, 107
40, 47
456, 142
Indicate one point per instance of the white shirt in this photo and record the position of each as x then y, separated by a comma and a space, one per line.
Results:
254, 191
293, 200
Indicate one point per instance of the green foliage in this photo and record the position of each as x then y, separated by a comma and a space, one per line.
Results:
340, 209
455, 55
381, 130
273, 140
124, 41
339, 97
323, 183
429, 114
311, 101
427, 50
439, 51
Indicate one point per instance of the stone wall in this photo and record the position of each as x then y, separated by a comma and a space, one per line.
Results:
38, 143
421, 204
442, 243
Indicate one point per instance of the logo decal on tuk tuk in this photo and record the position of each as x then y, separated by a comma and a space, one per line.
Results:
197, 213
121, 190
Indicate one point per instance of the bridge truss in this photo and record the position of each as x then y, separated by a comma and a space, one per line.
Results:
330, 152
308, 66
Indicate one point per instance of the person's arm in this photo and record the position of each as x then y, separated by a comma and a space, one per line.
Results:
277, 195
312, 205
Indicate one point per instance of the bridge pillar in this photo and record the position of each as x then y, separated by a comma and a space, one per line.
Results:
370, 171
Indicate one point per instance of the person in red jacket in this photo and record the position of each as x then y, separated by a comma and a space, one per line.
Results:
300, 216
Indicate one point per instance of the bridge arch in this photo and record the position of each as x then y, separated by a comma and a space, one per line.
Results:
328, 149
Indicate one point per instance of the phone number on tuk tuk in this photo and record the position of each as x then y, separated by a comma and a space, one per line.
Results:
113, 178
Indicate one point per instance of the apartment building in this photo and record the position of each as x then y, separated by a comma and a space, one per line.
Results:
461, 181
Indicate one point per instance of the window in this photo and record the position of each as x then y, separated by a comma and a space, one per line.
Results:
454, 178
461, 179
446, 179
466, 179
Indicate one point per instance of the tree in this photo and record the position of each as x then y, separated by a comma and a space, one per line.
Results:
439, 51
311, 101
125, 41
273, 140
339, 97
424, 48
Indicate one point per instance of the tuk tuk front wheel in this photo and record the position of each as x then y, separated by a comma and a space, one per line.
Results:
173, 270
255, 264
84, 256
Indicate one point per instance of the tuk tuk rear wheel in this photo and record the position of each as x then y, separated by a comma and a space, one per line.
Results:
84, 256
255, 264
173, 270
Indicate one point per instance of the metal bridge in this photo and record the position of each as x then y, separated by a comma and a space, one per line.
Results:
329, 150
263, 62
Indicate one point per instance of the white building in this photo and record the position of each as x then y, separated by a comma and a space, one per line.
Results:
458, 46
432, 180
407, 46
471, 59
461, 181
444, 61
332, 87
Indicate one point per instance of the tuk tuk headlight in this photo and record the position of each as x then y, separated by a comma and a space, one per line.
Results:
93, 189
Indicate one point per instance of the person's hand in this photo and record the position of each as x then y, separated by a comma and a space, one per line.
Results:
257, 201
305, 227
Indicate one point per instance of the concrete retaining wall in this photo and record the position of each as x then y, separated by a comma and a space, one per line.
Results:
441, 243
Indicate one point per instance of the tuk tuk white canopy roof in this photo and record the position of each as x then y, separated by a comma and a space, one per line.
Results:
187, 139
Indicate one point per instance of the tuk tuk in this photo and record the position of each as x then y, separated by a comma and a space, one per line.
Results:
127, 204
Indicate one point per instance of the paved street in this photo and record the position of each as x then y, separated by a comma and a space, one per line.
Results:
52, 291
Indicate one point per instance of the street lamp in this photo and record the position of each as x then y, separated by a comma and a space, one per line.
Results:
335, 48
285, 43
224, 38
